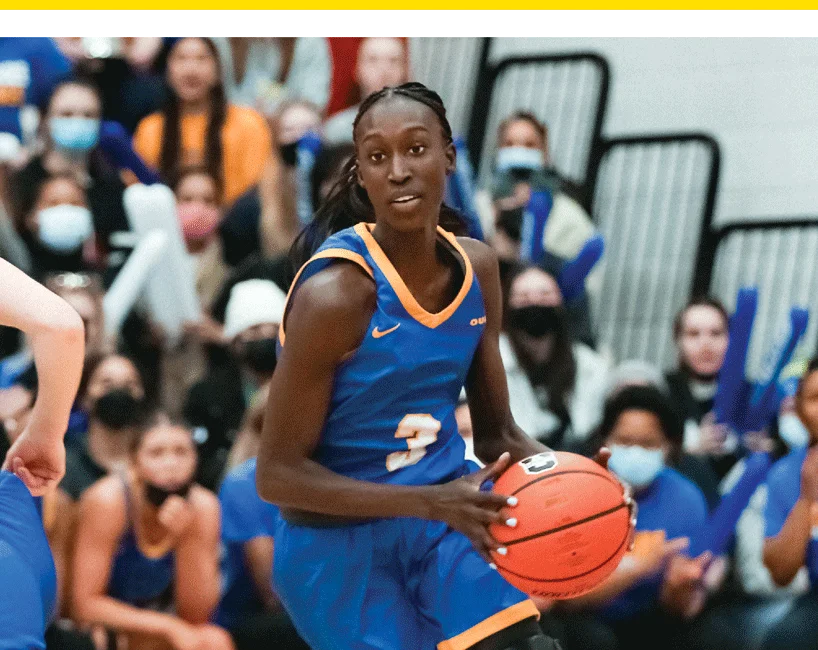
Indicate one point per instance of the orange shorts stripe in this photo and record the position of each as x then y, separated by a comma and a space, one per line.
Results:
499, 621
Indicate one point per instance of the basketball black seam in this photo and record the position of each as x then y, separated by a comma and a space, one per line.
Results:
566, 526
574, 577
562, 473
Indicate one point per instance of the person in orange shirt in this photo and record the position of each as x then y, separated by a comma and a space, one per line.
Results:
232, 142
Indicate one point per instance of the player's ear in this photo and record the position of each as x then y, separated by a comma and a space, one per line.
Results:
451, 158
356, 169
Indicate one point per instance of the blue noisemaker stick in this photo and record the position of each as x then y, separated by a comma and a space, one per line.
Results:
460, 190
115, 143
731, 378
573, 274
763, 404
307, 150
535, 216
721, 525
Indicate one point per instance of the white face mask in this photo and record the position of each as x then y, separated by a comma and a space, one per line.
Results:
636, 465
64, 228
792, 431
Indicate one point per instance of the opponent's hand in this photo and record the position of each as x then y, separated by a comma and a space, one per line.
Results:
467, 509
39, 464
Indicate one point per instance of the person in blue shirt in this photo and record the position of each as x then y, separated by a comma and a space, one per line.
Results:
35, 462
249, 608
791, 521
30, 68
383, 539
656, 587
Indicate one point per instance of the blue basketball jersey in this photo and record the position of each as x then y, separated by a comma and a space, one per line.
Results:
391, 417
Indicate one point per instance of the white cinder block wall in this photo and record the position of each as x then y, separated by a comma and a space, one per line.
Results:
758, 97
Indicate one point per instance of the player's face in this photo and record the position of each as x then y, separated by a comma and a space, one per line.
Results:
806, 404
114, 373
166, 457
403, 160
381, 63
638, 428
703, 340
192, 70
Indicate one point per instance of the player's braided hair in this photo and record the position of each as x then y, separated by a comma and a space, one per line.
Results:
348, 203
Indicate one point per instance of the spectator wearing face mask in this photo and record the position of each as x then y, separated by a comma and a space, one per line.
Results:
790, 516
556, 386
701, 335
380, 62
112, 395
146, 566
217, 403
249, 608
262, 72
634, 372
59, 229
69, 133
656, 587
523, 164
197, 126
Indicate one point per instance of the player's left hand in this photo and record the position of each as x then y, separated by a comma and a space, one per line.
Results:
601, 458
39, 464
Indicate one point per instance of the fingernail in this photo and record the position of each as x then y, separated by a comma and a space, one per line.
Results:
511, 522
502, 550
512, 501
493, 565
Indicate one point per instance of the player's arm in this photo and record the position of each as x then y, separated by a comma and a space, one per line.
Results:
100, 525
196, 579
495, 430
57, 338
328, 319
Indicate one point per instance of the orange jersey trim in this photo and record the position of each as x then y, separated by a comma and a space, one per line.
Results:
364, 231
493, 624
342, 253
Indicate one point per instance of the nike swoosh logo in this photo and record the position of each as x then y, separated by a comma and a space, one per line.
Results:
376, 333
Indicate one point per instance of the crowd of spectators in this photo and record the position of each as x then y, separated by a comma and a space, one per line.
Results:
245, 133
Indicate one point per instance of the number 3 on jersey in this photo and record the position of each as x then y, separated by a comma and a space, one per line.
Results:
420, 431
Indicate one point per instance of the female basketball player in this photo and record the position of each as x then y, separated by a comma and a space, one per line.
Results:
384, 541
146, 564
37, 457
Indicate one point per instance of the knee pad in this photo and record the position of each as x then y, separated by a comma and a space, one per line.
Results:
537, 642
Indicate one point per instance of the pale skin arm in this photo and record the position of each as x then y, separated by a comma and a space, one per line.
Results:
258, 554
57, 338
197, 578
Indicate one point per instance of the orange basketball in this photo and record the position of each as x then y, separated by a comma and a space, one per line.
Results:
572, 525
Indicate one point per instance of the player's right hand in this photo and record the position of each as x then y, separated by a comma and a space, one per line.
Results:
40, 464
467, 509
809, 476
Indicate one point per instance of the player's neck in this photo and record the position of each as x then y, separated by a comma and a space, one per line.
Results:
106, 446
413, 254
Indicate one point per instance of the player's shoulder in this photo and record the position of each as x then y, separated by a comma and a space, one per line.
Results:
483, 259
340, 290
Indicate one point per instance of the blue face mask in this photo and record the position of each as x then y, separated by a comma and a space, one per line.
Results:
74, 133
509, 158
792, 431
64, 228
636, 465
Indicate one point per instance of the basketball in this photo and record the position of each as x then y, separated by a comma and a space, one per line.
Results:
572, 525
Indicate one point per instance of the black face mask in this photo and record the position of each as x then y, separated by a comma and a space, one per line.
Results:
117, 409
511, 222
289, 154
536, 320
260, 355
158, 495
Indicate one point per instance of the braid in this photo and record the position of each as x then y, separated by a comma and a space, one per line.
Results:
348, 203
